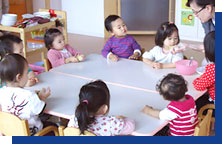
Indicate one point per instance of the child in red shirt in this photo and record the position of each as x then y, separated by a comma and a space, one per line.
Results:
207, 80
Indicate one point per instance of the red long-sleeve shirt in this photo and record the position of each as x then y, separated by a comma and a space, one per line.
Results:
206, 81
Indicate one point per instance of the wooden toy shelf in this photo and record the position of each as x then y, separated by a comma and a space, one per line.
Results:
22, 31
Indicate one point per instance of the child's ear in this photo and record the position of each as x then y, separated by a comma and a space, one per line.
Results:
18, 77
103, 109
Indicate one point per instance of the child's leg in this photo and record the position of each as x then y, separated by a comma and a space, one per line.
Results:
164, 131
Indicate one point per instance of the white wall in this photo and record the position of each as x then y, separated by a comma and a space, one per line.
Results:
85, 16
54, 4
192, 33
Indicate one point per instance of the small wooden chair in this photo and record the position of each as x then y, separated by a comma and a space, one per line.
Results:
203, 128
47, 64
11, 125
202, 109
71, 131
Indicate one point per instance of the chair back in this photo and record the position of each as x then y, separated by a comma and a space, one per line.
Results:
11, 125
47, 64
71, 131
206, 107
203, 128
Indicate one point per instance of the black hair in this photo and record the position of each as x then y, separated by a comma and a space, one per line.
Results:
109, 20
7, 44
96, 94
201, 3
172, 87
209, 46
165, 30
58, 23
50, 36
10, 66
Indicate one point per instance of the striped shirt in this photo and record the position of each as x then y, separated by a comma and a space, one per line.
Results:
122, 47
186, 120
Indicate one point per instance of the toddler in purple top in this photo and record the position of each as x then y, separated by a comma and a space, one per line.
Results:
120, 45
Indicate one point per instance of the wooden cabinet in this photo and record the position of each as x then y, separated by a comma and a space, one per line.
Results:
22, 31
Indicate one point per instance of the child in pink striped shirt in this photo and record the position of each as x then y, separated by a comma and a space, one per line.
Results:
59, 52
181, 111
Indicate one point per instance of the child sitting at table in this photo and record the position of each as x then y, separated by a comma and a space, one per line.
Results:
120, 45
161, 55
91, 113
181, 111
207, 80
60, 53
14, 98
13, 44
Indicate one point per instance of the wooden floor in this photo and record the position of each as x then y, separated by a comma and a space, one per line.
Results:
90, 44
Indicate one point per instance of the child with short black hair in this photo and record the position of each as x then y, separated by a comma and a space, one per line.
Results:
120, 45
181, 111
90, 114
161, 56
13, 44
14, 98
59, 52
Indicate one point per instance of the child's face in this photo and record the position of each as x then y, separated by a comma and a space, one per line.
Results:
171, 40
18, 48
59, 42
24, 78
119, 28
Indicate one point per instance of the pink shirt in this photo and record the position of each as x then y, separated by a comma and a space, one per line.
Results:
186, 120
56, 57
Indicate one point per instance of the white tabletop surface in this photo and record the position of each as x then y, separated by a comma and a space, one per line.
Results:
124, 101
125, 73
131, 84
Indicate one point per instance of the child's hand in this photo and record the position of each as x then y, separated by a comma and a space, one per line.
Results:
120, 117
113, 57
44, 93
147, 109
135, 56
157, 65
80, 57
71, 59
32, 81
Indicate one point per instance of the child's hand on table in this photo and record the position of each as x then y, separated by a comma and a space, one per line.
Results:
135, 56
147, 110
113, 57
71, 59
32, 81
44, 93
157, 65
80, 57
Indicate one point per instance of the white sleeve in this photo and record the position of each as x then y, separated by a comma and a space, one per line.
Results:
109, 55
137, 50
176, 57
36, 105
167, 114
73, 122
150, 55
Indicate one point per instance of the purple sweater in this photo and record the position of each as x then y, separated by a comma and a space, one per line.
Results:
122, 47
55, 57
